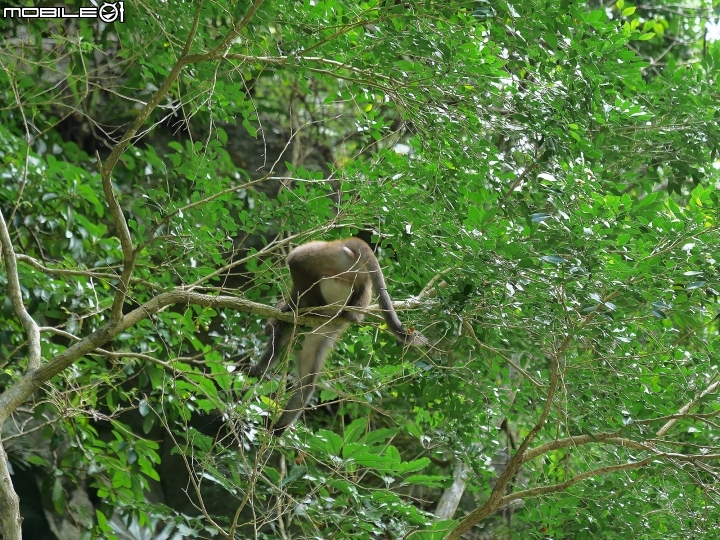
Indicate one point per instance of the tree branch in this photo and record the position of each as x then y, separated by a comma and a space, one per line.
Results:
9, 502
451, 496
612, 438
123, 233
37, 265
17, 394
683, 410
495, 500
129, 256
15, 295
535, 492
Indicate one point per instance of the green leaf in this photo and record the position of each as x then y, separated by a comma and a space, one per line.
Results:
475, 215
327, 442
355, 430
425, 480
628, 11
415, 465
59, 498
38, 460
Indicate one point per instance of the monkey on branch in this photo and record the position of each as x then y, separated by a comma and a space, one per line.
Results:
332, 275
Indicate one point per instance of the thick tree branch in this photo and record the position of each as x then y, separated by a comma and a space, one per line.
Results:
496, 496
22, 389
495, 499
9, 502
451, 496
524, 455
38, 374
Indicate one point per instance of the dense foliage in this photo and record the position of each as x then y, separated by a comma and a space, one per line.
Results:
539, 180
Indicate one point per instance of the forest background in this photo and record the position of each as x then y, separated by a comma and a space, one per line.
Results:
539, 181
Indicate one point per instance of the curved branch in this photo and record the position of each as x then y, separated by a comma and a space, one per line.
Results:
37, 265
15, 295
129, 255
18, 393
567, 442
496, 498
123, 233
535, 492
684, 409
612, 438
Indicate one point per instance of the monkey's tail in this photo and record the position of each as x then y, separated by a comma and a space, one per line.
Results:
408, 337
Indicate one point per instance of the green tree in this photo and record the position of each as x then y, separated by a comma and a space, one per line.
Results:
539, 180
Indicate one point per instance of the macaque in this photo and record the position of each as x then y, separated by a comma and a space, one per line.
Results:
332, 275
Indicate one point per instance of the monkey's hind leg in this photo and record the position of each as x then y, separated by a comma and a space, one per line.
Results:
310, 362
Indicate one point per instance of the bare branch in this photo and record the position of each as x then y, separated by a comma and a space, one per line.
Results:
76, 271
9, 502
612, 438
15, 295
125, 241
451, 496
684, 409
193, 29
22, 389
567, 442
535, 492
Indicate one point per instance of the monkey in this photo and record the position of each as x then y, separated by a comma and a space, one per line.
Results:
337, 274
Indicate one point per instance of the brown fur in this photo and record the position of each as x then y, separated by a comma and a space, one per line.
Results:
336, 274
